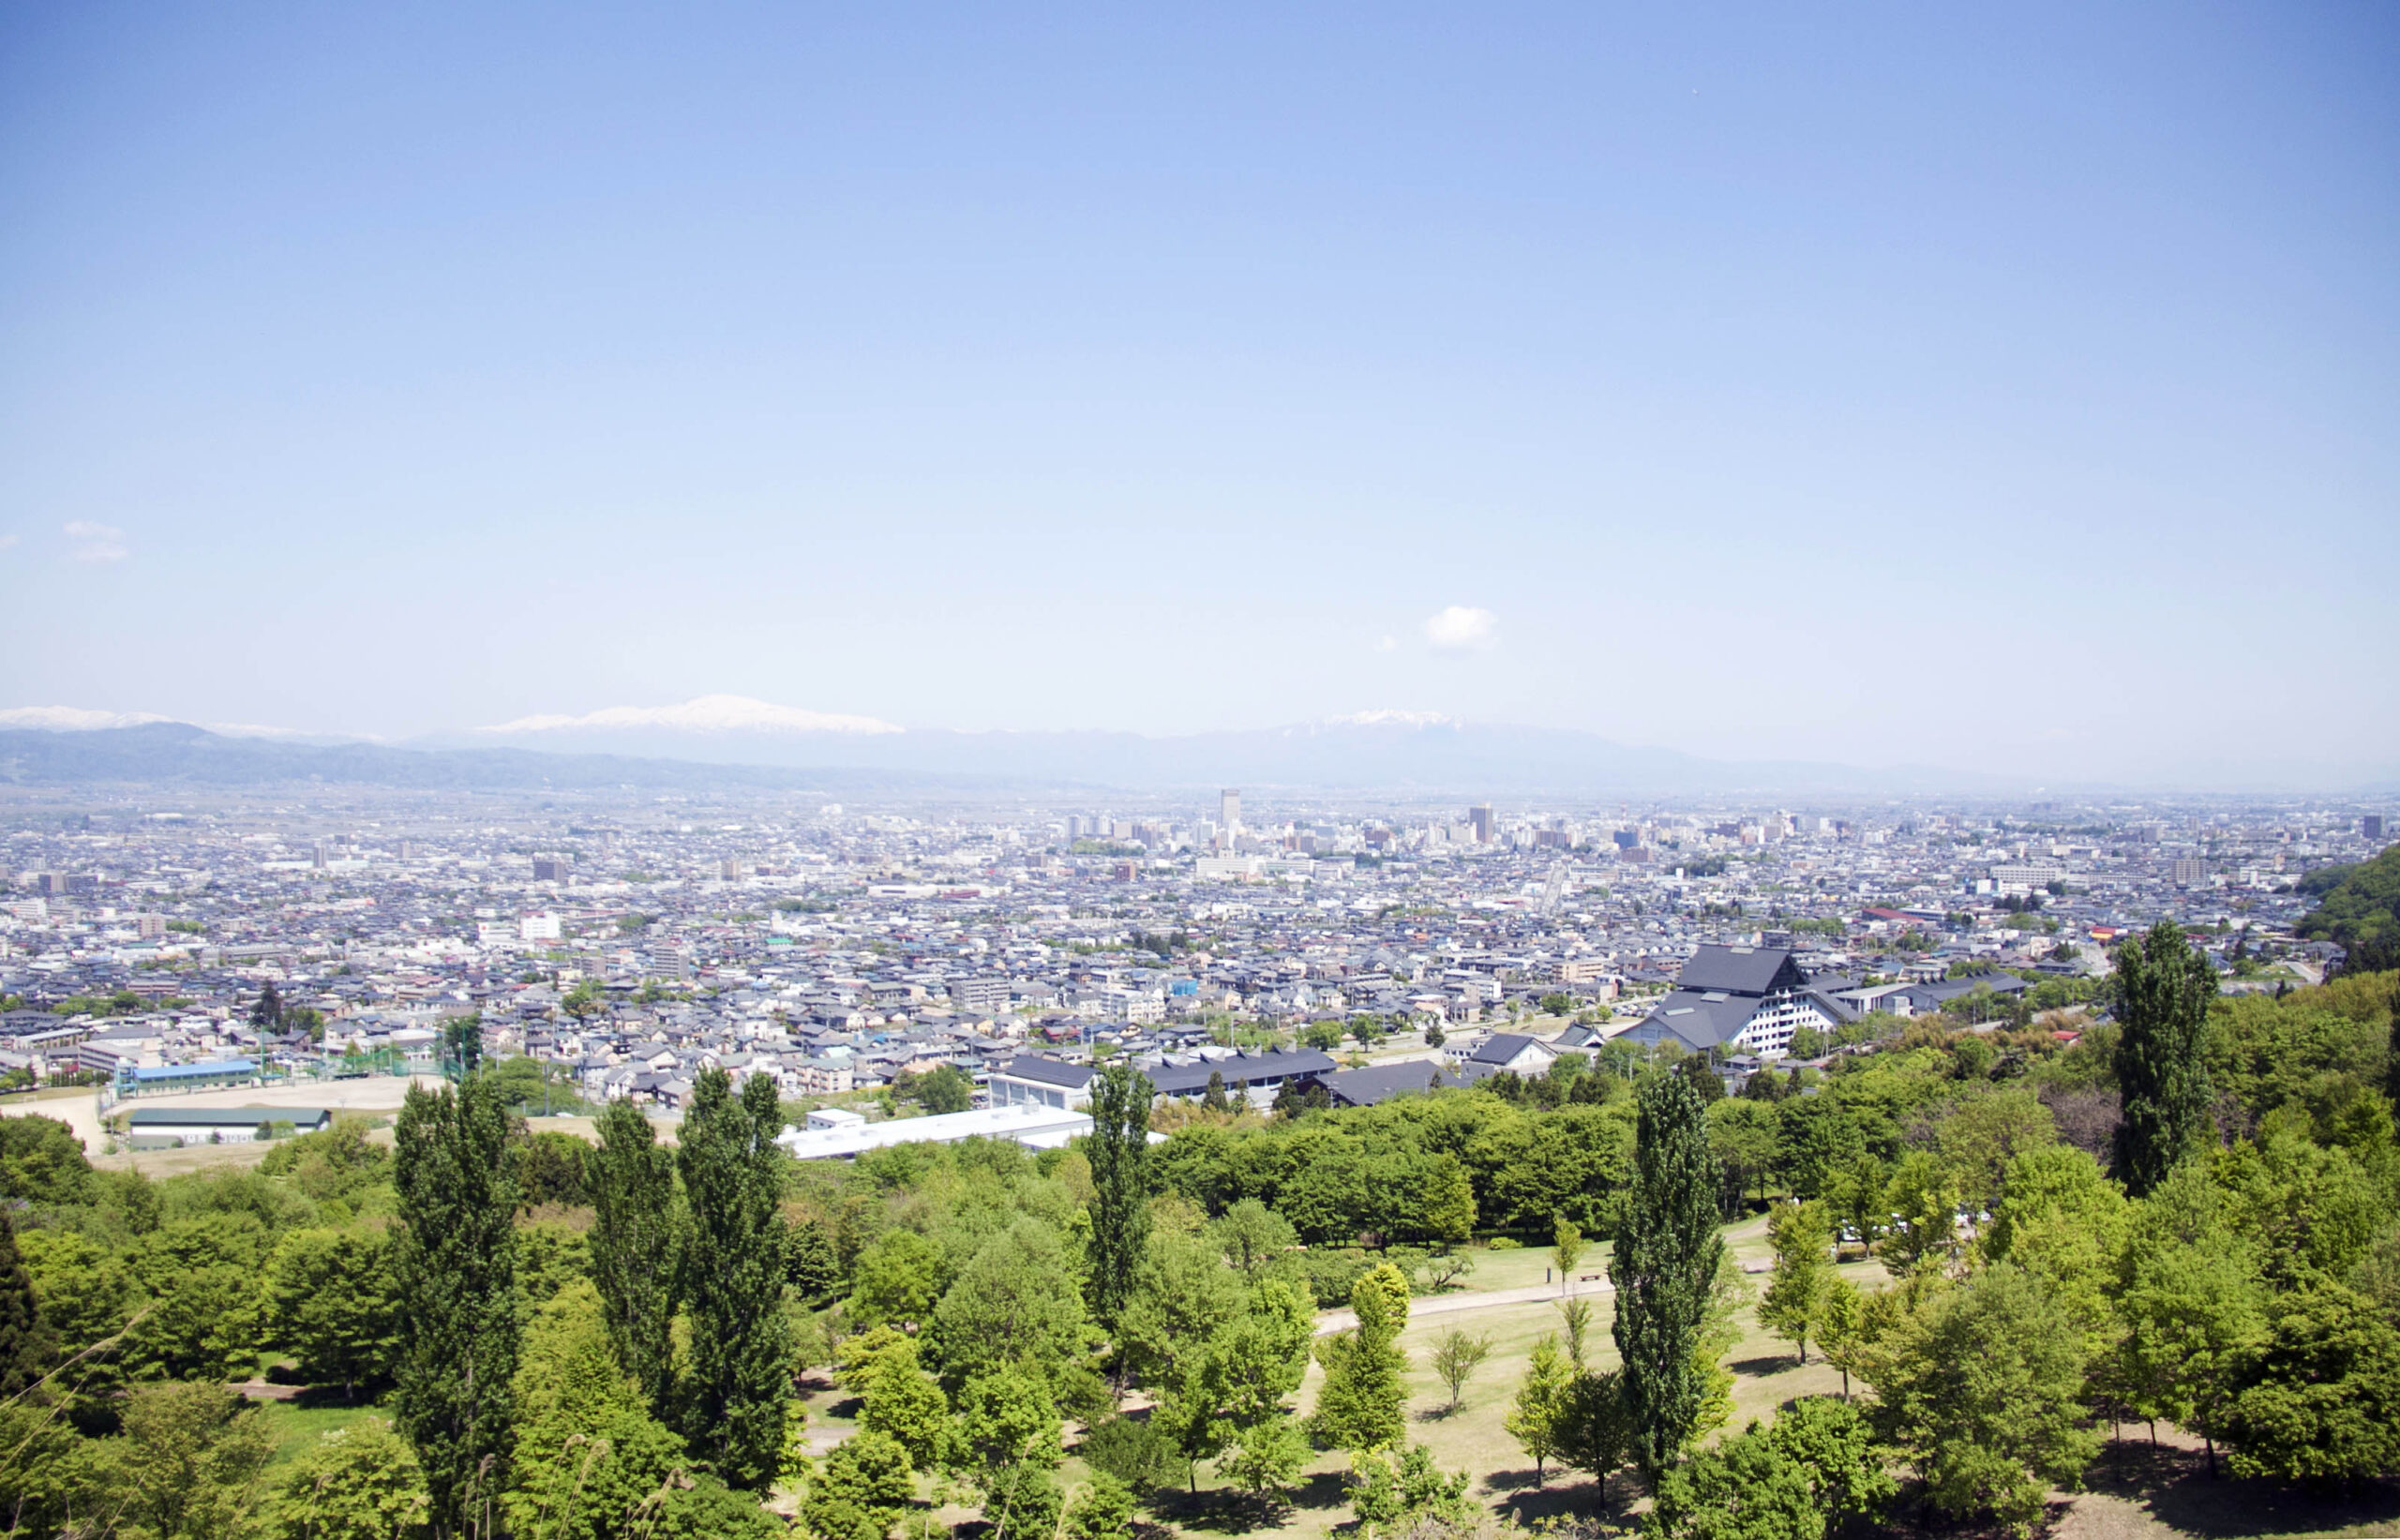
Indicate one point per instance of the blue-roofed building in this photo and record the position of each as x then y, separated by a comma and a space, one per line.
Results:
150, 1078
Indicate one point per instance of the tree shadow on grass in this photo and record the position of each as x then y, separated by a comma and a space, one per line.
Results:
1756, 1368
1565, 1494
1223, 1512
2172, 1483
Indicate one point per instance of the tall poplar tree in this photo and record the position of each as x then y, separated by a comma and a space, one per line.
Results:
1664, 1266
1118, 1150
733, 1278
636, 1238
454, 1263
2161, 993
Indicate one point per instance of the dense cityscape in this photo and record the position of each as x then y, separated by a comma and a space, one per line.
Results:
629, 942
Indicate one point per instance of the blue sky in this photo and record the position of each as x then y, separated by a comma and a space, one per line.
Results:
2013, 390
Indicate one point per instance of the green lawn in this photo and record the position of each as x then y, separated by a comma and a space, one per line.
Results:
297, 1427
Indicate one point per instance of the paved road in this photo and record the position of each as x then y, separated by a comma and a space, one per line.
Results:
1338, 1321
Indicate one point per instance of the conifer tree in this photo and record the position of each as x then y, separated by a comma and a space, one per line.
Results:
1664, 1266
1118, 1151
1358, 1407
733, 1278
266, 1012
635, 1240
2161, 991
455, 1265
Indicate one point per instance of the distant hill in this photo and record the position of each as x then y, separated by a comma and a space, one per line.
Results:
1421, 755
178, 753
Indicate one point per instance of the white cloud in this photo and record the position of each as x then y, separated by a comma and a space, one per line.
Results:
72, 719
705, 714
6, 541
1387, 645
1462, 626
96, 542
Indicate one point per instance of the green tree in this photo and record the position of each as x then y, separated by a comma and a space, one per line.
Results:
1102, 1510
462, 1039
330, 1298
636, 1243
1007, 1441
1184, 1294
897, 1278
266, 1012
1014, 1306
1389, 1492
1566, 1251
1594, 1429
83, 1295
356, 1482
550, 1170
2190, 1305
455, 1265
905, 1404
862, 1489
1118, 1150
2319, 1399
740, 1383
1800, 1479
2160, 993
1923, 1202
1456, 1354
589, 1453
1252, 1237
1137, 1452
1233, 1399
1665, 1266
1801, 1236
1575, 1315
944, 1088
190, 1462
24, 1345
1981, 1389
1534, 1418
1840, 1313
1358, 1405
41, 1161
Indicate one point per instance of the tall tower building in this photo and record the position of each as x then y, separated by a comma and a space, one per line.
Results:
1480, 816
1229, 812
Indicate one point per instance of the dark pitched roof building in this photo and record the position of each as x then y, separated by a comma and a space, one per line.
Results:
1740, 999
1382, 1082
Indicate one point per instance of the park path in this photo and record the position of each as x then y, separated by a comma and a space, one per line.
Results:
1534, 1293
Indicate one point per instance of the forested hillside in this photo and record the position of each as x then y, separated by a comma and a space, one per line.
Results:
2008, 1243
2359, 906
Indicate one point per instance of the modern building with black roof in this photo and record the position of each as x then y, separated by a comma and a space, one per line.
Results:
1741, 1000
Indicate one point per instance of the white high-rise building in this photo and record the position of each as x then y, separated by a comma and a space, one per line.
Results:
1228, 814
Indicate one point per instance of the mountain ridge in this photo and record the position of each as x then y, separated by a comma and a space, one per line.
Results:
1390, 753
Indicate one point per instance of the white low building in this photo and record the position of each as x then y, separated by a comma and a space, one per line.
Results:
1035, 1126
